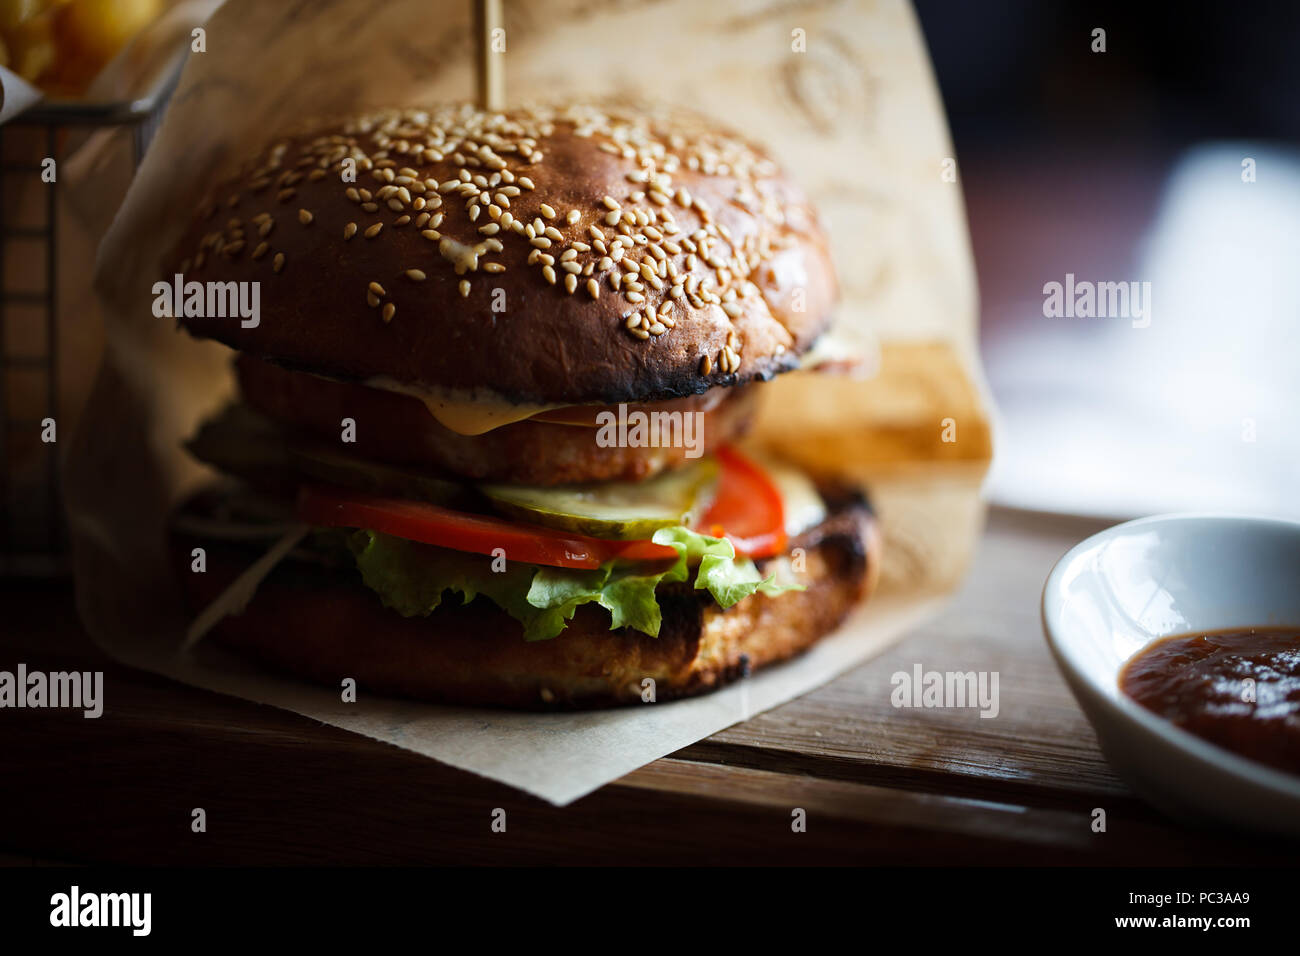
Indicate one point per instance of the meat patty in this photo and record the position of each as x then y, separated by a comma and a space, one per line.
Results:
398, 428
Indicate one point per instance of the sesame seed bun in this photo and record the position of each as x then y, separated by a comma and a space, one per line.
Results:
390, 276
324, 625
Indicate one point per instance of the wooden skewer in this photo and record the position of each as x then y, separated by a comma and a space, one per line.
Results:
491, 72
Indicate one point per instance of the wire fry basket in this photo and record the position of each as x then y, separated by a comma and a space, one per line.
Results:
33, 537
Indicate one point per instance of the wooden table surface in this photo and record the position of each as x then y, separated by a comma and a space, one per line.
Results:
879, 784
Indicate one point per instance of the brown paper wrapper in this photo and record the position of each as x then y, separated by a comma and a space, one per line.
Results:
855, 114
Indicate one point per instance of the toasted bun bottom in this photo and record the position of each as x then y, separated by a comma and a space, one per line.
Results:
326, 626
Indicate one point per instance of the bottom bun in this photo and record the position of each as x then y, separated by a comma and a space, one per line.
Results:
325, 625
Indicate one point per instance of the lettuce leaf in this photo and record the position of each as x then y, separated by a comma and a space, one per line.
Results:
411, 578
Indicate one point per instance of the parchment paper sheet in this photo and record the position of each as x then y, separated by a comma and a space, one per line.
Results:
857, 118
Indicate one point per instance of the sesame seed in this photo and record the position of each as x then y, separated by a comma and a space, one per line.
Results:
388, 311
372, 300
374, 230
635, 297
573, 216
304, 217
284, 195
547, 211
416, 274
432, 234
706, 365
260, 251
593, 288
549, 274
278, 262
570, 283
464, 288
349, 230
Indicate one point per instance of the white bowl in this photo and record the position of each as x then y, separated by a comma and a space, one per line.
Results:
1116, 592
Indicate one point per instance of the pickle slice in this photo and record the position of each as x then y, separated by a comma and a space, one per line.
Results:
244, 443
393, 481
626, 510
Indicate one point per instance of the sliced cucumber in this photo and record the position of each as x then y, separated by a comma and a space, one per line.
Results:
244, 443
627, 510
335, 467
241, 442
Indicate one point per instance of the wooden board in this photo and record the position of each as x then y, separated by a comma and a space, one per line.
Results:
879, 784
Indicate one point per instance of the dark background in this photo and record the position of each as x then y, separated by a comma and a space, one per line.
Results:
1173, 73
1076, 162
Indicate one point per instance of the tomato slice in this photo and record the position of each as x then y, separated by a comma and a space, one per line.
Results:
747, 509
478, 534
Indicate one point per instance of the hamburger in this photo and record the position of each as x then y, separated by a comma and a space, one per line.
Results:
485, 445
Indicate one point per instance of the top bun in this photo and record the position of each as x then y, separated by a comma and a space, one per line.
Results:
580, 253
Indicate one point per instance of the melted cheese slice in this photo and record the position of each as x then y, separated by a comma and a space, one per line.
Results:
463, 412
481, 411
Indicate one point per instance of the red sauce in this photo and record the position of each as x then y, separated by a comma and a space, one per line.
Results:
1237, 689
